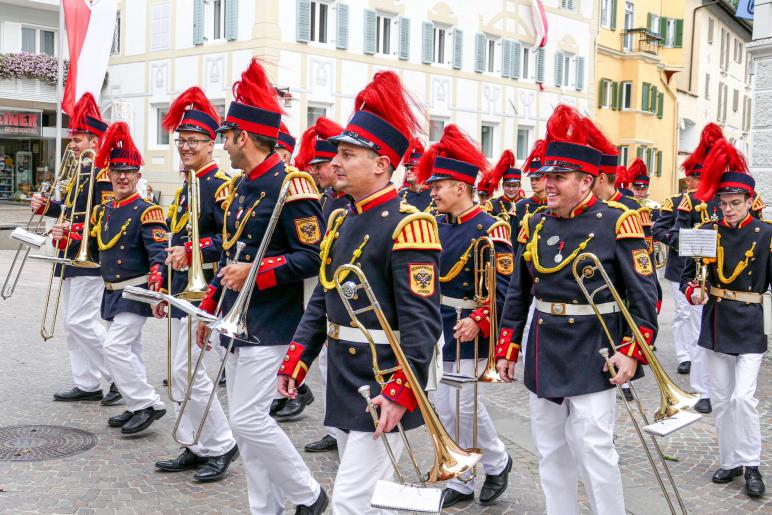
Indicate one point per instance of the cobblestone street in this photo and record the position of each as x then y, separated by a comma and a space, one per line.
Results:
117, 474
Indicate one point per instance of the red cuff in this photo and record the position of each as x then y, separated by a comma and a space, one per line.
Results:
481, 316
202, 244
266, 276
63, 243
42, 209
689, 290
208, 303
292, 366
630, 347
156, 276
659, 306
398, 390
505, 348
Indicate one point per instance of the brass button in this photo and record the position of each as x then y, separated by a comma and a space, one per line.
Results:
292, 347
282, 367
122, 247
352, 351
120, 262
117, 276
570, 320
399, 381
393, 392
286, 358
466, 284
535, 279
541, 321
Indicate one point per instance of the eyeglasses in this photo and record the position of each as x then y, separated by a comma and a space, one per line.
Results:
733, 204
127, 172
190, 142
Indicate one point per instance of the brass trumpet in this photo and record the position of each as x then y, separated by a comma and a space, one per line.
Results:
485, 295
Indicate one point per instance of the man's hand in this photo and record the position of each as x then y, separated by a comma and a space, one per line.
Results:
390, 415
286, 387
202, 337
696, 300
177, 257
37, 202
159, 310
466, 329
60, 231
234, 276
625, 368
506, 369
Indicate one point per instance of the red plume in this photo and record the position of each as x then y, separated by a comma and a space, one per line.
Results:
710, 135
722, 157
326, 128
637, 168
493, 177
283, 128
307, 146
622, 177
86, 106
566, 124
415, 146
117, 136
386, 97
597, 140
455, 145
192, 98
255, 89
537, 154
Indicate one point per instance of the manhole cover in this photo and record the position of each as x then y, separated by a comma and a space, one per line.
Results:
40, 443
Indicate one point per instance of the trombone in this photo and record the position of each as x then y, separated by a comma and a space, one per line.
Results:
672, 398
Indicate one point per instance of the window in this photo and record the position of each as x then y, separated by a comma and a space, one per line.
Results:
116, 48
566, 70
159, 27
629, 21
747, 114
38, 41
439, 44
219, 106
525, 72
436, 128
724, 49
722, 101
523, 143
710, 31
605, 93
654, 23
738, 51
490, 55
161, 136
383, 35
486, 139
670, 33
736, 100
214, 13
627, 95
606, 13
313, 114
624, 155
567, 4
707, 86
319, 22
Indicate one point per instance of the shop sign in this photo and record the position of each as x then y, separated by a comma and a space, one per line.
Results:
21, 123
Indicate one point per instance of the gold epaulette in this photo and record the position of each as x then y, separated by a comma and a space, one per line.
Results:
686, 203
301, 187
404, 207
629, 225
223, 191
487, 207
500, 232
102, 176
758, 204
219, 174
153, 215
616, 205
645, 214
667, 205
417, 231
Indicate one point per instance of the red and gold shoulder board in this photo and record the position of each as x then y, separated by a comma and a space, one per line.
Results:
501, 232
417, 232
102, 176
667, 205
629, 225
219, 174
758, 204
487, 207
223, 192
686, 203
302, 187
153, 215
645, 214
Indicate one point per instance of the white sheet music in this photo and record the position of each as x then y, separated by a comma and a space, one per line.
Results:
697, 242
394, 496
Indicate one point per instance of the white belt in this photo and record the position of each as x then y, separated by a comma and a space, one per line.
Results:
740, 296
457, 303
564, 309
352, 334
128, 282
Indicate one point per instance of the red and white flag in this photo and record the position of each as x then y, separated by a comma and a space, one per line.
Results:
90, 26
540, 25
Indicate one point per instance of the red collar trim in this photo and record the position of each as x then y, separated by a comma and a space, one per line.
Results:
745, 221
512, 200
469, 214
616, 196
538, 200
128, 200
583, 206
260, 170
376, 199
338, 194
206, 169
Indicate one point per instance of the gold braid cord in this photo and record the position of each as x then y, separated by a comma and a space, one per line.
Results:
742, 265
532, 252
177, 225
114, 240
326, 248
460, 264
227, 243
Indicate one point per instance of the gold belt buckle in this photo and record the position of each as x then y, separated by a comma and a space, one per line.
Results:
558, 308
730, 294
333, 330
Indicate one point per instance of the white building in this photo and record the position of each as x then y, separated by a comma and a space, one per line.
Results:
470, 63
761, 50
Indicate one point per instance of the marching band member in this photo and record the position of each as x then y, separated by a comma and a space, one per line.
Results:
82, 287
285, 145
538, 199
484, 193
195, 120
510, 178
450, 168
572, 413
274, 469
733, 333
399, 249
415, 194
129, 237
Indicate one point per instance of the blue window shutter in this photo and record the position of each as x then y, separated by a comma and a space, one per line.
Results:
427, 43
579, 73
517, 52
370, 31
303, 21
458, 49
540, 65
404, 38
341, 27
558, 69
506, 58
198, 22
231, 20
479, 52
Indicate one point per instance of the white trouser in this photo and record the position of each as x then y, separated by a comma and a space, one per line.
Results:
322, 360
123, 349
687, 320
494, 457
216, 438
733, 385
84, 331
363, 461
575, 441
275, 471
527, 328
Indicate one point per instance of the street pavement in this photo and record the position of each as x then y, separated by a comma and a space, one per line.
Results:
117, 475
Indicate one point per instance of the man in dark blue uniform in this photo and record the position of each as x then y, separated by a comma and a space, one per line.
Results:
414, 193
285, 145
275, 470
571, 413
451, 167
399, 250
538, 198
82, 287
734, 332
129, 237
509, 177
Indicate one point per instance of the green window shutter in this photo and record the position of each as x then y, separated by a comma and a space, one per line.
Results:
231, 20
645, 96
649, 19
663, 29
341, 27
517, 52
479, 53
458, 49
540, 65
614, 95
370, 31
639, 152
404, 38
558, 69
659, 163
579, 73
198, 22
679, 34
303, 20
506, 58
427, 42
660, 105
601, 92
613, 14
654, 98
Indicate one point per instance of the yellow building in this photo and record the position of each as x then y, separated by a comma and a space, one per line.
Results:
639, 49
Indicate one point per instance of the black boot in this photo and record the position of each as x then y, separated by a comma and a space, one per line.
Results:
277, 405
328, 443
496, 485
120, 420
295, 407
725, 476
452, 497
217, 466
112, 397
222, 381
703, 406
185, 461
754, 484
142, 420
76, 394
320, 504
684, 367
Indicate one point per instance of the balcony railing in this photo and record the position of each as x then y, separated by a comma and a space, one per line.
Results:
27, 89
641, 40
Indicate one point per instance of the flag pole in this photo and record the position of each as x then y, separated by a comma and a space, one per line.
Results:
59, 94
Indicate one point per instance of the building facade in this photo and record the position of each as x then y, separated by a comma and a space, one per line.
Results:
476, 64
639, 50
760, 51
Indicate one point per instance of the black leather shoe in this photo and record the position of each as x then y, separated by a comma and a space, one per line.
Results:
725, 476
317, 508
142, 420
754, 484
496, 485
296, 406
628, 393
684, 367
451, 497
120, 420
76, 394
222, 381
328, 443
217, 466
703, 406
277, 405
112, 397
185, 461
